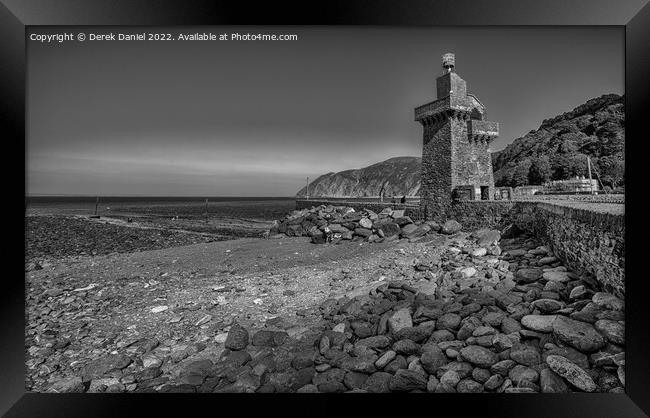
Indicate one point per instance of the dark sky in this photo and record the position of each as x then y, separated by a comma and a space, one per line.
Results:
254, 118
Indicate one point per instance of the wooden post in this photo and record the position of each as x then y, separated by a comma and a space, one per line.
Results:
96, 204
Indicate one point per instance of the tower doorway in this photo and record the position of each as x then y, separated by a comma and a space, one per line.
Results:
485, 193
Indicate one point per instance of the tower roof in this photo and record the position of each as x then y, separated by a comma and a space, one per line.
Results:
448, 61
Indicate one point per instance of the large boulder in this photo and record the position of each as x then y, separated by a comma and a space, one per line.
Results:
487, 237
451, 227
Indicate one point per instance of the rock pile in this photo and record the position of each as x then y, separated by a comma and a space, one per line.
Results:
347, 224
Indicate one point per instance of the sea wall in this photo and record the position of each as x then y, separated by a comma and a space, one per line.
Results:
588, 240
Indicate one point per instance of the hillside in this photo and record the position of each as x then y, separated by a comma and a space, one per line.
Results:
396, 177
558, 149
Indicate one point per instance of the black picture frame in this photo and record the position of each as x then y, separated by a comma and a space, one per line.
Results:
632, 15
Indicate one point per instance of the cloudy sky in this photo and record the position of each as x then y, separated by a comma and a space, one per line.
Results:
254, 118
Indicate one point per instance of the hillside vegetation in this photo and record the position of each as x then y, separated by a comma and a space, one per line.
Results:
558, 149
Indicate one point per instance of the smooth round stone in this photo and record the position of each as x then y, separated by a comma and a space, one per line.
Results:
612, 330
450, 377
571, 372
580, 335
577, 292
556, 276
528, 275
478, 355
451, 353
546, 260
481, 375
386, 358
540, 323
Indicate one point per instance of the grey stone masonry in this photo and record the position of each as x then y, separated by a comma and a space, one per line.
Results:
456, 163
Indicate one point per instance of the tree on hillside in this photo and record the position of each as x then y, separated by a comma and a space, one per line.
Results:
520, 174
540, 170
564, 166
611, 170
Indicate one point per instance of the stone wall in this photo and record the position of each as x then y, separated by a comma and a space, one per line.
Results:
477, 214
587, 241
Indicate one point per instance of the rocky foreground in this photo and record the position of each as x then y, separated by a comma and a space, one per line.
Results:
476, 313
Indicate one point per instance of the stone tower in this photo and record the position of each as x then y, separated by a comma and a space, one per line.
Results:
456, 162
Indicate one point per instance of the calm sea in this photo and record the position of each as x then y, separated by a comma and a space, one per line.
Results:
247, 207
